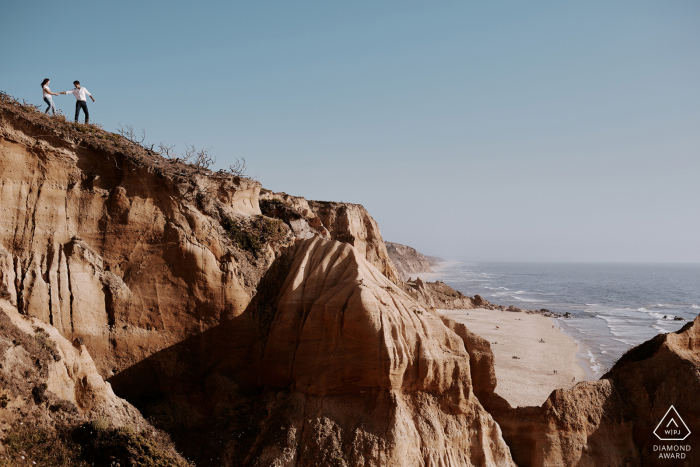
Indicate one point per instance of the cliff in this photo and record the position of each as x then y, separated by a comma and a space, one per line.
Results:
183, 292
409, 261
127, 251
260, 329
352, 224
344, 222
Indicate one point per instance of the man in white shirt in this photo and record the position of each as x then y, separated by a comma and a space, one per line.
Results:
80, 94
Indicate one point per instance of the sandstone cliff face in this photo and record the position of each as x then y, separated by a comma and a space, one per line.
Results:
439, 295
69, 375
481, 359
337, 314
408, 261
611, 421
344, 222
336, 366
352, 224
55, 409
129, 254
295, 212
379, 380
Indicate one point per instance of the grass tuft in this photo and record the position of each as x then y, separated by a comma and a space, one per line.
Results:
100, 424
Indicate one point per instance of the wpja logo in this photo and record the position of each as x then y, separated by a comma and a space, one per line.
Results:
672, 428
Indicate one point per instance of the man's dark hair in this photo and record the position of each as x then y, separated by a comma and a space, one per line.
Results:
76, 82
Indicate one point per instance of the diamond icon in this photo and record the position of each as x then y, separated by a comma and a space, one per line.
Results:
672, 427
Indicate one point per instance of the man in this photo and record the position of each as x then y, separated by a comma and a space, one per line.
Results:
80, 94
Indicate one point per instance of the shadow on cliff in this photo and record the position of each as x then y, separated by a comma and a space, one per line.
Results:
206, 390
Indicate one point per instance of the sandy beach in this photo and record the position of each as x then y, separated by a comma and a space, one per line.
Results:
529, 379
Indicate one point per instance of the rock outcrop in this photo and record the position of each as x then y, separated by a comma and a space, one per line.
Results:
49, 386
408, 261
69, 375
353, 345
439, 295
341, 326
344, 222
612, 421
352, 224
295, 212
481, 359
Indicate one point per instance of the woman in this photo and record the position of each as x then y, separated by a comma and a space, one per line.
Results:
47, 96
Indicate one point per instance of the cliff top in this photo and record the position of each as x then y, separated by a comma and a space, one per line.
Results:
125, 146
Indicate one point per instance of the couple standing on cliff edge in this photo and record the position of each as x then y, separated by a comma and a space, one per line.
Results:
79, 92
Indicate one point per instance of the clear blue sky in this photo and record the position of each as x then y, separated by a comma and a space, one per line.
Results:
553, 131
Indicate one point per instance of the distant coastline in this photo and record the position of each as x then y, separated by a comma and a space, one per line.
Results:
613, 306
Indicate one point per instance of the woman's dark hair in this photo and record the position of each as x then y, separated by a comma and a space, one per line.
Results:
46, 80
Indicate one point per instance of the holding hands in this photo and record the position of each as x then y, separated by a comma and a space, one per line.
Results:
81, 94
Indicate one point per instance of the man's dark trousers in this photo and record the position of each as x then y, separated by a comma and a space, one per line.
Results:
81, 105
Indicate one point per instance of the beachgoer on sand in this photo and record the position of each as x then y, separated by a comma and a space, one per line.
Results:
80, 94
47, 96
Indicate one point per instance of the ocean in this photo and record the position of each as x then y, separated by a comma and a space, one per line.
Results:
613, 306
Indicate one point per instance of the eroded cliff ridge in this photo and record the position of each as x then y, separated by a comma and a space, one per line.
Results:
266, 330
373, 374
55, 409
408, 260
345, 222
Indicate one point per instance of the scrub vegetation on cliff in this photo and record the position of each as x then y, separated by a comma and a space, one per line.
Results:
252, 234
